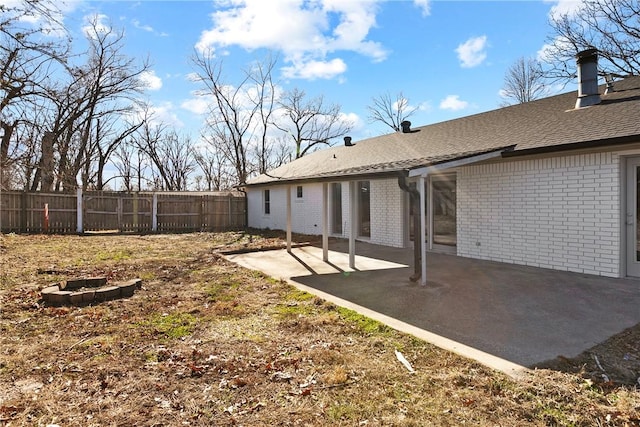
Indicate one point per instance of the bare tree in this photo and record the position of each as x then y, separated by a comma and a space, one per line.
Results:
132, 164
216, 173
101, 90
103, 145
309, 122
264, 95
232, 116
523, 82
170, 154
178, 161
389, 111
611, 26
26, 58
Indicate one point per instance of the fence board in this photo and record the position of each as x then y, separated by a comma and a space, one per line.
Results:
24, 212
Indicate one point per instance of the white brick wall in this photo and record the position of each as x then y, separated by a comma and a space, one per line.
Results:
387, 211
560, 213
306, 213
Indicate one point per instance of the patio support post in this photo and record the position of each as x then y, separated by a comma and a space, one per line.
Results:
325, 222
288, 195
423, 227
353, 219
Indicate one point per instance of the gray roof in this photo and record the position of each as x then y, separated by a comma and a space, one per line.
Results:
547, 124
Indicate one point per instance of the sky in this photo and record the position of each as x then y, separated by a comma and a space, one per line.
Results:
448, 58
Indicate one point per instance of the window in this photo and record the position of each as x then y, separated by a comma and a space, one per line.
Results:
364, 212
299, 192
336, 208
266, 197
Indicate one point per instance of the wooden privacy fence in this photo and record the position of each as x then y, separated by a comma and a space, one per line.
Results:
141, 212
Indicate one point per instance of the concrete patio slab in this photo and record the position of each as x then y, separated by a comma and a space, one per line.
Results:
503, 315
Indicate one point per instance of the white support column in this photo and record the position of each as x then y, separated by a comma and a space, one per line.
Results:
288, 195
79, 212
353, 219
423, 227
154, 212
325, 222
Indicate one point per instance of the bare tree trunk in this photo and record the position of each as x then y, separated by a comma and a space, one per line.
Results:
47, 162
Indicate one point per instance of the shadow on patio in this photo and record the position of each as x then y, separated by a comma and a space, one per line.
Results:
524, 315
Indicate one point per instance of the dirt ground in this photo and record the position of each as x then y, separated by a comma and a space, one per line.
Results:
207, 343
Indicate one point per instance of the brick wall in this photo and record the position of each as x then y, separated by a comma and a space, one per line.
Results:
306, 212
561, 213
388, 211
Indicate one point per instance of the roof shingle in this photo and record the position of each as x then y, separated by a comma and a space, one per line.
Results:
548, 123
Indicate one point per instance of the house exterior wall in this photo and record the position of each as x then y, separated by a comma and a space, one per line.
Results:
561, 213
306, 212
388, 213
387, 209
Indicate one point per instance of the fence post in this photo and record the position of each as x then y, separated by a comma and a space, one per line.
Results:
201, 212
79, 205
46, 218
154, 212
23, 212
119, 213
135, 212
230, 218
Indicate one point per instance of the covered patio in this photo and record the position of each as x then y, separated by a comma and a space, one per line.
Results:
505, 316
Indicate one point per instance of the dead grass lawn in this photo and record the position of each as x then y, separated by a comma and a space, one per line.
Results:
207, 343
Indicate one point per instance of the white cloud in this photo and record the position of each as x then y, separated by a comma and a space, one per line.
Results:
425, 106
453, 103
564, 7
141, 26
148, 28
311, 70
50, 24
305, 32
165, 113
95, 24
549, 51
198, 105
424, 5
472, 52
151, 81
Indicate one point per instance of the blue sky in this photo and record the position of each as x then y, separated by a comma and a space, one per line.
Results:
448, 57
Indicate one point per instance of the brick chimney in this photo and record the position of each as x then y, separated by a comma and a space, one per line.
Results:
587, 62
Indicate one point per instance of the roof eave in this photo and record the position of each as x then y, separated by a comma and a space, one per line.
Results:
599, 143
457, 162
330, 178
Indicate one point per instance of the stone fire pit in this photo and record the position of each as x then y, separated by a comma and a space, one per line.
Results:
88, 290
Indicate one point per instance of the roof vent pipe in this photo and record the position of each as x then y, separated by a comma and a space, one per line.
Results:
587, 62
406, 126
347, 142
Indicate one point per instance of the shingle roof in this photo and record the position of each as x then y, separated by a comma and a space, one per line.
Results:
546, 124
